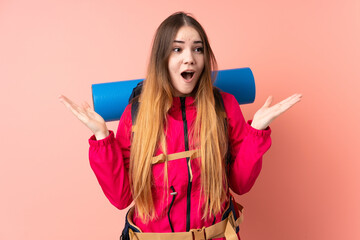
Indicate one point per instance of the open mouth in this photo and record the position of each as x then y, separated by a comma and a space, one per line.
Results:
187, 75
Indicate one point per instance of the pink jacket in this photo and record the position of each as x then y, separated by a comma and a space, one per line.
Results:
181, 210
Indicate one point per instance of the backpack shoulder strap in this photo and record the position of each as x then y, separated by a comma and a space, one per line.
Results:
134, 100
219, 102
136, 91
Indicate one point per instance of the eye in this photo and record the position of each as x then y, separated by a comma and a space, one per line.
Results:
176, 49
199, 49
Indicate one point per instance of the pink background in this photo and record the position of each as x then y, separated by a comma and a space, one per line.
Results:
309, 186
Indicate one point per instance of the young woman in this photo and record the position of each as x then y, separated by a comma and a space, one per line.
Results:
178, 158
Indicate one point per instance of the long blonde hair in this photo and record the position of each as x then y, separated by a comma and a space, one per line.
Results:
155, 101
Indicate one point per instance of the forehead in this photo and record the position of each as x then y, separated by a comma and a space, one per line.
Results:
187, 34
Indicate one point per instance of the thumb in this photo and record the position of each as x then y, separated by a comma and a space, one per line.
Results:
268, 101
86, 104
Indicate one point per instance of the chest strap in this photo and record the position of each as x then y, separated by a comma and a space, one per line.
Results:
192, 154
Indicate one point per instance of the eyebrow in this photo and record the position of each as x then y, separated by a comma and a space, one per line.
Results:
178, 41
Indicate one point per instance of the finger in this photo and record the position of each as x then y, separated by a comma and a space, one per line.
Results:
73, 107
67, 102
268, 101
288, 99
86, 105
292, 100
285, 105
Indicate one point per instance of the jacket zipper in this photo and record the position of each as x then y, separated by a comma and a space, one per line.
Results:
171, 204
186, 137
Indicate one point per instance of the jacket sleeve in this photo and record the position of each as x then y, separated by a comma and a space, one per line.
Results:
109, 159
247, 146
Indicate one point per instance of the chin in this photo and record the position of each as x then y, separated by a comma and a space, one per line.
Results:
183, 93
189, 93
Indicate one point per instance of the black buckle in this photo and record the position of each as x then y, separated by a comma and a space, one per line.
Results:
198, 234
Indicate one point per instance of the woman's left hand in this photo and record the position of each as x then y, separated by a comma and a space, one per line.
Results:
266, 114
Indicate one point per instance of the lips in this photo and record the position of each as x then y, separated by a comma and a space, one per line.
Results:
188, 75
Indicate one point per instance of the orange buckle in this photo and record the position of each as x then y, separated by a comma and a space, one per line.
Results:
198, 234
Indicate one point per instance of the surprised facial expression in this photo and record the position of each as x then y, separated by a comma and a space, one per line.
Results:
186, 61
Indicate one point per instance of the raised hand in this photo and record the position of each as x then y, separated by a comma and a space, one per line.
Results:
87, 116
266, 114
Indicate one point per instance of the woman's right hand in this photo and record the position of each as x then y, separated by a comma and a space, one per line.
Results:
88, 116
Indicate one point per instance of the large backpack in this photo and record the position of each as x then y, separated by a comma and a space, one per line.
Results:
234, 207
219, 108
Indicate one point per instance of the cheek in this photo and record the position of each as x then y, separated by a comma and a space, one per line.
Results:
201, 61
172, 66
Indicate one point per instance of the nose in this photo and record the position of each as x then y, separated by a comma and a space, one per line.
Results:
188, 57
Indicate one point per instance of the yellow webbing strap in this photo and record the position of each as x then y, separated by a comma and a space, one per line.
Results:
230, 233
241, 217
225, 228
186, 154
